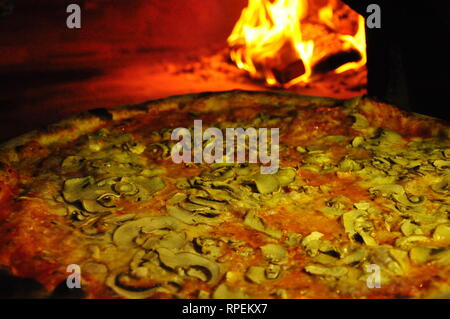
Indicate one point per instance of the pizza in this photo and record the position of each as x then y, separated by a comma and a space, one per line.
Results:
356, 204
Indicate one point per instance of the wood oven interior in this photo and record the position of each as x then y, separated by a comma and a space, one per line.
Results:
129, 52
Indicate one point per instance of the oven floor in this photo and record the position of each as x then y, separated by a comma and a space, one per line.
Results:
43, 91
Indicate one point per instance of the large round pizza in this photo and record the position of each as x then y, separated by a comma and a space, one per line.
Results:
326, 199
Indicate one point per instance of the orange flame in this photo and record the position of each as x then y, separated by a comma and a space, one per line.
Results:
268, 38
358, 42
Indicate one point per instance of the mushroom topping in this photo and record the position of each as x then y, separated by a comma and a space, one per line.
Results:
358, 227
393, 261
320, 270
325, 259
195, 265
210, 247
256, 274
222, 173
360, 121
171, 240
442, 233
253, 221
441, 164
124, 236
100, 196
106, 200
88, 193
125, 188
72, 163
354, 257
406, 242
210, 203
225, 292
192, 218
388, 137
272, 271
266, 183
165, 149
335, 207
286, 175
147, 186
117, 282
408, 228
75, 188
349, 165
317, 158
357, 141
439, 255
312, 243
275, 254
420, 254
396, 192
443, 187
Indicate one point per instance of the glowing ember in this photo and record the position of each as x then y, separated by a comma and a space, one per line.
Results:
268, 40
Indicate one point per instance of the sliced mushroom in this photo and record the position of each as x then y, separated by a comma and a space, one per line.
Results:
72, 163
116, 282
266, 183
441, 164
172, 240
325, 259
388, 137
420, 255
442, 233
165, 150
286, 175
192, 218
106, 200
312, 242
256, 274
75, 188
275, 254
225, 292
320, 270
354, 257
360, 121
208, 246
124, 235
272, 271
186, 260
443, 187
408, 228
406, 242
357, 226
211, 203
349, 165
357, 141
148, 186
253, 221
125, 188
195, 208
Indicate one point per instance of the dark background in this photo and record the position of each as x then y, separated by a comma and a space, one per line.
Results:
409, 57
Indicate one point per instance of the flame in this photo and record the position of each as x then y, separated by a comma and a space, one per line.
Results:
263, 30
268, 38
326, 15
358, 42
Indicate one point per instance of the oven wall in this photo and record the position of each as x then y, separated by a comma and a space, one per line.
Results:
36, 29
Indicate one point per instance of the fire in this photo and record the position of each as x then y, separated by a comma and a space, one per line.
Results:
358, 41
268, 41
